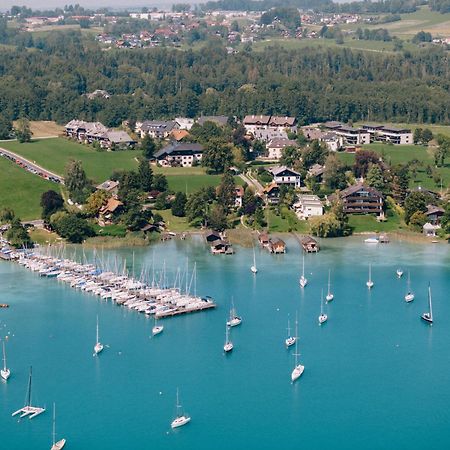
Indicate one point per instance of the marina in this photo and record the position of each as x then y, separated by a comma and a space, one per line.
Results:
371, 335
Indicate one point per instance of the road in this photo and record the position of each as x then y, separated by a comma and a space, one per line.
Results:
31, 166
247, 178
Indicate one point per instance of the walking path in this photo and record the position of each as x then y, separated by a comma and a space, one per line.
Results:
247, 178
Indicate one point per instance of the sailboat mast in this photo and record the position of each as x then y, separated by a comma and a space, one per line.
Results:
321, 302
429, 301
54, 426
29, 387
303, 269
97, 331
329, 275
4, 356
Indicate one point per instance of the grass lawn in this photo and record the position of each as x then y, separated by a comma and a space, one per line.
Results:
175, 224
43, 237
53, 154
21, 190
401, 154
365, 223
44, 128
287, 221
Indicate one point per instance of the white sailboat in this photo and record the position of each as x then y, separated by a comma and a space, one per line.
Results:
157, 328
409, 297
428, 316
329, 296
228, 346
323, 317
254, 268
290, 340
303, 280
235, 320
298, 369
62, 442
369, 282
98, 347
5, 372
28, 409
181, 418
399, 272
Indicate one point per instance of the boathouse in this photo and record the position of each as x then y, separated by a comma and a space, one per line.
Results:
277, 246
310, 245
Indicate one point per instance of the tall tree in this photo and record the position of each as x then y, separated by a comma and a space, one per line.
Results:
415, 202
148, 146
145, 175
51, 202
179, 204
23, 130
226, 191
76, 181
400, 183
217, 217
375, 177
5, 127
217, 155
334, 173
363, 159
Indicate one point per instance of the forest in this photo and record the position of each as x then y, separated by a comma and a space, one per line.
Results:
47, 81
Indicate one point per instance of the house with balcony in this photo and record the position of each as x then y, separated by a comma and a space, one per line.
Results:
282, 175
360, 199
308, 206
183, 154
381, 133
276, 146
157, 129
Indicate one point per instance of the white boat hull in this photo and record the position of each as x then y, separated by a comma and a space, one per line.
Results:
297, 372
254, 269
290, 341
329, 297
369, 284
5, 374
58, 445
98, 348
323, 318
228, 347
409, 298
30, 411
427, 318
303, 282
157, 330
180, 421
234, 322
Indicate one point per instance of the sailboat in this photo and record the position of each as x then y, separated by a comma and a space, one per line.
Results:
303, 280
298, 369
409, 297
428, 316
369, 282
5, 372
157, 328
290, 340
98, 347
323, 317
253, 268
235, 320
28, 410
228, 346
399, 272
62, 442
329, 296
181, 418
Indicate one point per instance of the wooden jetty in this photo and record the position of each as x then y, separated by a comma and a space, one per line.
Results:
162, 314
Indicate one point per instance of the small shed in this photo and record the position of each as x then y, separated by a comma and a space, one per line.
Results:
277, 246
263, 239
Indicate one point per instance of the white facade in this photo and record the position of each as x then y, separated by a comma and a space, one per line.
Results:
308, 206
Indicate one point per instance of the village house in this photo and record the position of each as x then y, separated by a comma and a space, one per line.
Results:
434, 214
110, 186
308, 206
272, 193
350, 135
267, 128
276, 146
157, 129
109, 211
381, 133
180, 155
286, 176
330, 139
184, 123
90, 132
316, 171
360, 199
179, 135
239, 190
98, 93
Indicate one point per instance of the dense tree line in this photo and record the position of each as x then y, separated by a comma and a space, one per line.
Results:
443, 6
311, 84
379, 34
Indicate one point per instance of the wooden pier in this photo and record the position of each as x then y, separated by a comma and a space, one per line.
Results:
163, 314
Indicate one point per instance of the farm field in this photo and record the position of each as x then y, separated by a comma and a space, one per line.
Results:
21, 191
45, 128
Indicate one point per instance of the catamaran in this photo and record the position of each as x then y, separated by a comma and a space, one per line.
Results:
157, 328
329, 296
228, 346
253, 268
28, 410
62, 442
298, 369
409, 297
303, 280
181, 418
428, 316
290, 340
98, 347
323, 317
235, 320
5, 372
369, 282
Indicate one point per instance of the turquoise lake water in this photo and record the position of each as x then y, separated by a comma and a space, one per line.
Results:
376, 376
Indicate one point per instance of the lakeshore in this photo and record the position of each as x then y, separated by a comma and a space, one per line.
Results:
370, 336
